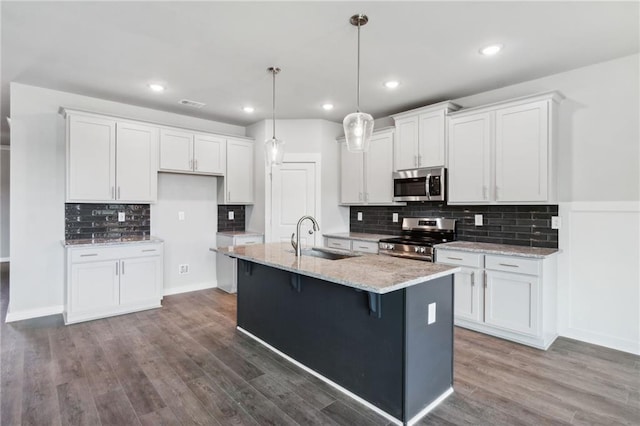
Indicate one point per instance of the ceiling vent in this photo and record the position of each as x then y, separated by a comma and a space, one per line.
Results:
192, 104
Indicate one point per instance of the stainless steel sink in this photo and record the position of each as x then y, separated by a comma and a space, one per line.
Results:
326, 254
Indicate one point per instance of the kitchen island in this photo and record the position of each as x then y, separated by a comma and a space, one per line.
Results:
379, 328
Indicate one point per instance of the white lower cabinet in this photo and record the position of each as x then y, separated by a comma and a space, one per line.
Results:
107, 281
506, 296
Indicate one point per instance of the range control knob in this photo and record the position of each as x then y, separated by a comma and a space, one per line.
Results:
423, 250
416, 249
390, 246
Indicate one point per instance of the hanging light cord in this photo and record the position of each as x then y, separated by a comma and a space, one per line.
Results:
358, 77
274, 71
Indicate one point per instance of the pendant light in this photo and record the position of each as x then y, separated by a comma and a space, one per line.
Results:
274, 148
358, 126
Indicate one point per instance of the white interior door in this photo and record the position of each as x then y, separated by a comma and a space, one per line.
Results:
294, 194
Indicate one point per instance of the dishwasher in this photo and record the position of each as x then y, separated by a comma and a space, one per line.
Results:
227, 267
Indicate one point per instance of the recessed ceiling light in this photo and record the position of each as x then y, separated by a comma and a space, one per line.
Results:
392, 84
327, 107
248, 109
491, 49
156, 87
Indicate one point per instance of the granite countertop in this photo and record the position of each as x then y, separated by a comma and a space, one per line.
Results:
242, 233
369, 272
359, 236
111, 242
501, 249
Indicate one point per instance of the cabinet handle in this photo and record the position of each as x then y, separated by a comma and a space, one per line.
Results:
149, 250
123, 267
473, 279
454, 258
229, 195
484, 192
509, 265
89, 255
117, 268
497, 189
419, 160
195, 164
118, 193
113, 192
366, 196
485, 279
415, 160
359, 196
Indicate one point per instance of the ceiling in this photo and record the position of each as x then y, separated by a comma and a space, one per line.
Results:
218, 52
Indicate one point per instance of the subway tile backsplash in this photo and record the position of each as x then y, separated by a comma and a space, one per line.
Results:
237, 224
100, 221
518, 225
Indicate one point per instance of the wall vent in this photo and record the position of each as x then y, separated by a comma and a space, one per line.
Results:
189, 103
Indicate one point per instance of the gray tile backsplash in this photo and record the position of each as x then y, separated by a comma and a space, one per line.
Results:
237, 224
100, 221
518, 225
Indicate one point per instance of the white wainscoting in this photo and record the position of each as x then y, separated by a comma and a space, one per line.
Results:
599, 273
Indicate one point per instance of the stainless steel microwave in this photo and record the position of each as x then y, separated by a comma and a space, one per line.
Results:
428, 184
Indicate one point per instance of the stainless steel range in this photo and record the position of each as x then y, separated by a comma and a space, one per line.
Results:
419, 235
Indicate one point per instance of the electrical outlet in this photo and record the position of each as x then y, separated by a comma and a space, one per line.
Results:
556, 222
183, 269
431, 316
360, 216
121, 217
180, 215
231, 215
394, 217
478, 219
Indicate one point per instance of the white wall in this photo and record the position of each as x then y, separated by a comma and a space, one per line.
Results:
599, 189
5, 156
37, 189
303, 136
187, 241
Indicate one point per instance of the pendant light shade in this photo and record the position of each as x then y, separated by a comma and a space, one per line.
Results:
358, 126
274, 147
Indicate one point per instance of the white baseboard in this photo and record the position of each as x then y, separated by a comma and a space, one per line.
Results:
4, 259
190, 287
33, 313
603, 340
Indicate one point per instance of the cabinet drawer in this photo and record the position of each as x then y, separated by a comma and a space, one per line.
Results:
513, 264
459, 258
339, 243
95, 254
247, 240
364, 246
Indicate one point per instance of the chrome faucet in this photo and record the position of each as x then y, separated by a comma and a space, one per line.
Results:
295, 237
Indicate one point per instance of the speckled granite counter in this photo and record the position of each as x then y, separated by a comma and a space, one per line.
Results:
374, 238
500, 249
110, 242
242, 233
374, 273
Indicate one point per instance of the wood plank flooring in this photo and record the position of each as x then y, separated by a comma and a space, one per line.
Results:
186, 364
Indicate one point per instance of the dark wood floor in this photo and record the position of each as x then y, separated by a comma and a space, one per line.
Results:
186, 364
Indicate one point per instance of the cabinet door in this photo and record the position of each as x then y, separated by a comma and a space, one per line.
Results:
378, 165
406, 144
522, 153
511, 301
91, 159
351, 176
139, 280
209, 154
467, 285
94, 287
469, 161
431, 143
136, 163
239, 175
176, 151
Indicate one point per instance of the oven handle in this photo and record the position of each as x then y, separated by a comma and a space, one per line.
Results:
408, 256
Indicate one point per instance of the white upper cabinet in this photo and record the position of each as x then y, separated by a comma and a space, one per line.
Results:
237, 186
136, 162
421, 136
469, 158
209, 154
176, 151
187, 152
91, 158
367, 178
504, 153
109, 160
